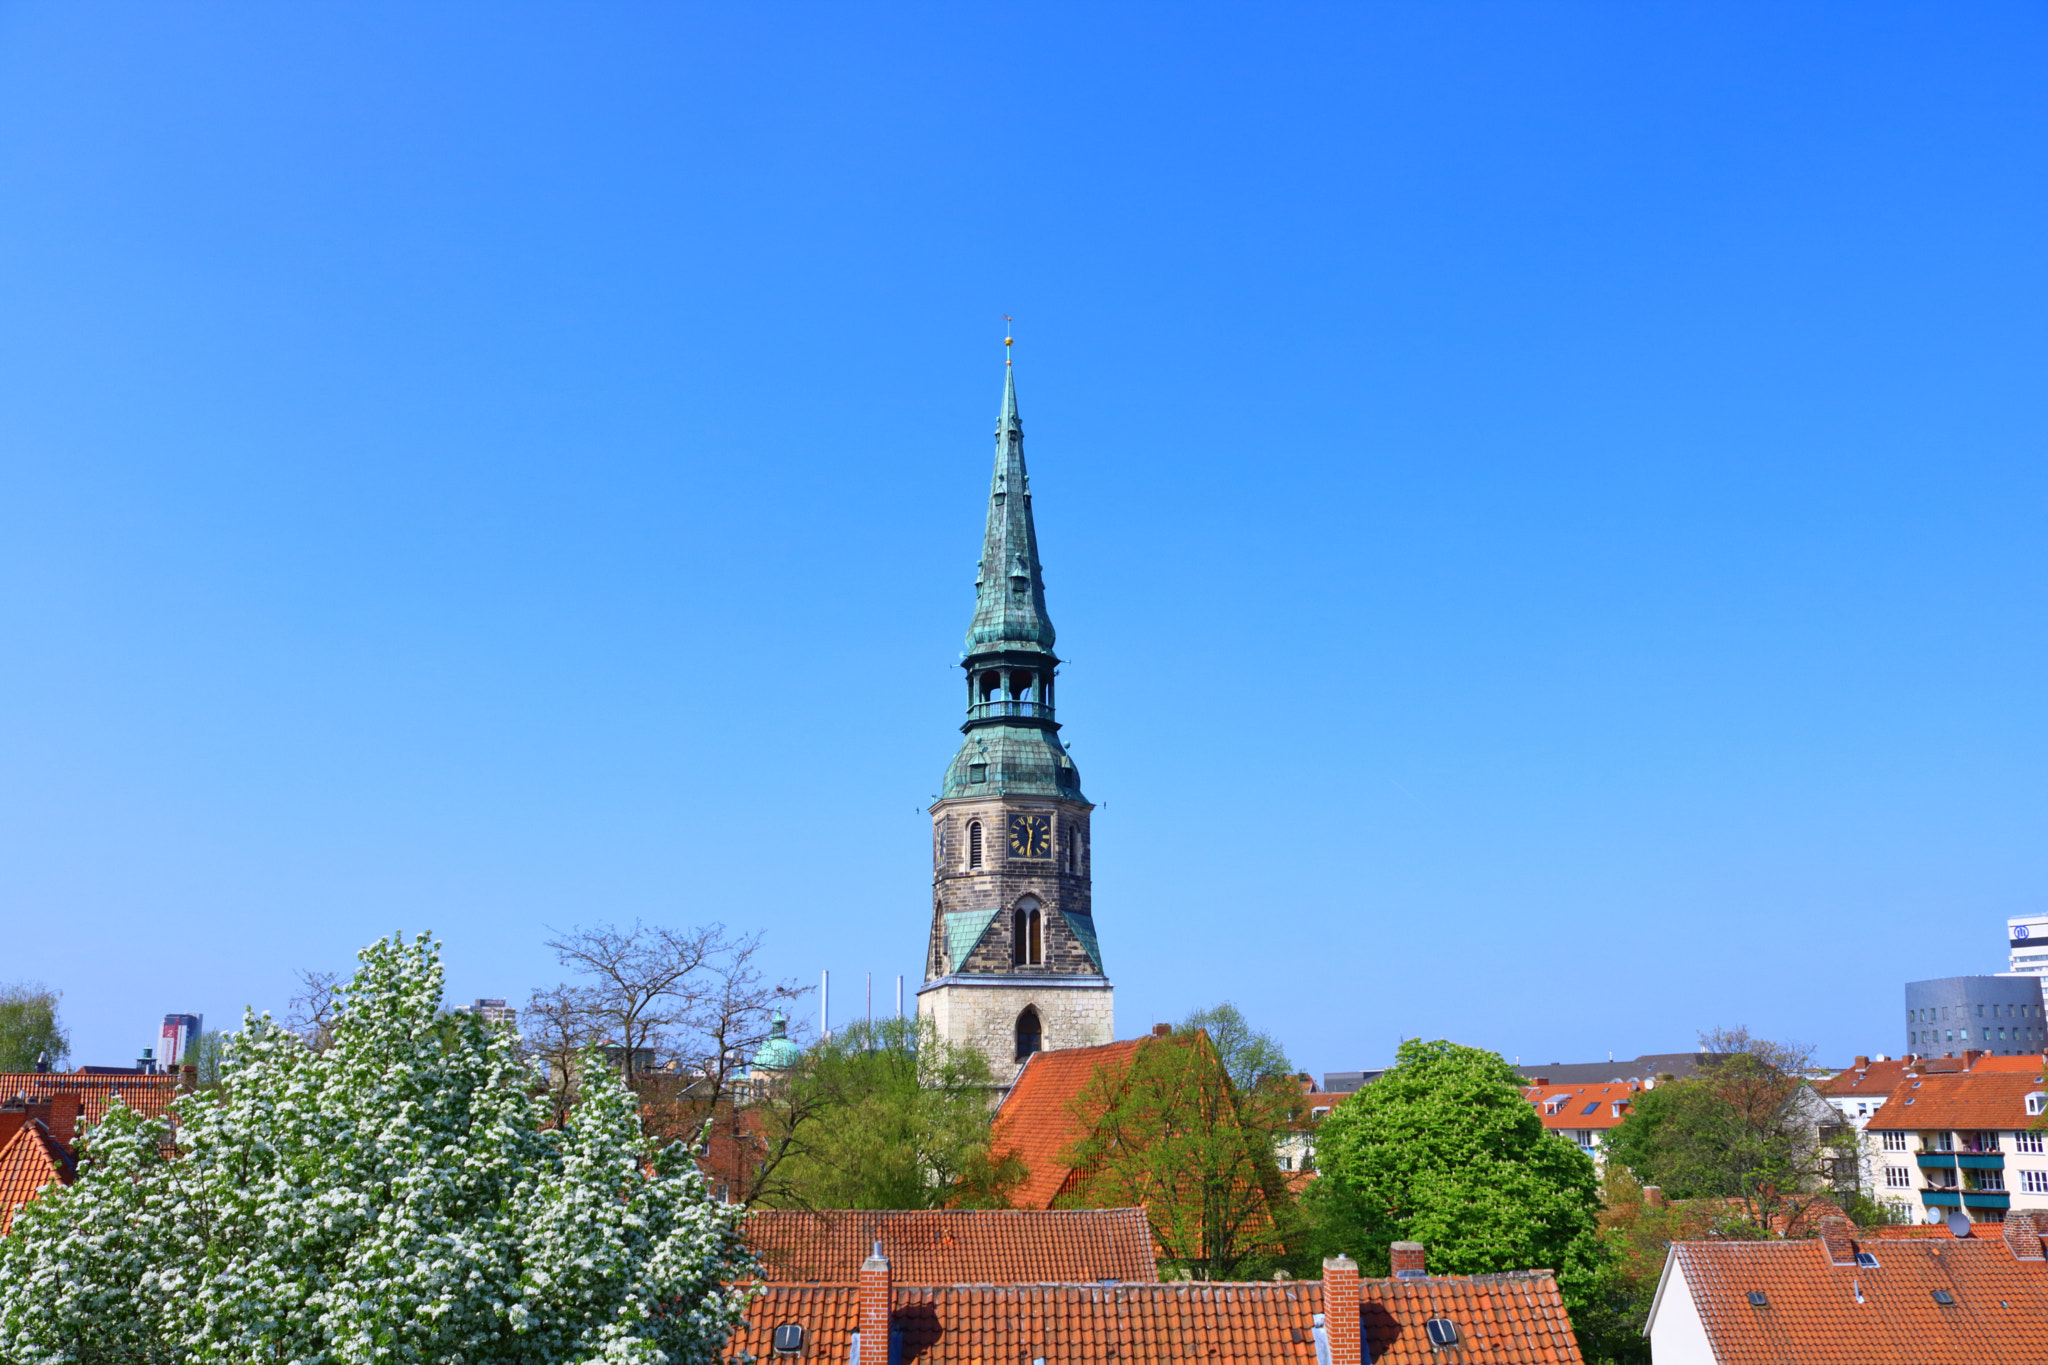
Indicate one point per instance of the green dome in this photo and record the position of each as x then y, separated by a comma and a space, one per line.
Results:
777, 1053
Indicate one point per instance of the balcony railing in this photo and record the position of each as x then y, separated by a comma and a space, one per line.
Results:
1968, 1161
989, 710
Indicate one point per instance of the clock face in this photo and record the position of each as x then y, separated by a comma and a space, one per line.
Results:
1031, 836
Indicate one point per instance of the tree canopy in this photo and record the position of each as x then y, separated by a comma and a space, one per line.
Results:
1442, 1149
1747, 1131
392, 1196
880, 1116
29, 1027
1249, 1055
1173, 1134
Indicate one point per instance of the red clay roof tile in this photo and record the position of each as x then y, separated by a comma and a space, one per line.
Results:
1035, 1119
1501, 1319
31, 1160
148, 1095
1812, 1315
956, 1246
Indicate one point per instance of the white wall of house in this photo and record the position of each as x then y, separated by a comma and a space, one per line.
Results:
1677, 1335
1896, 1177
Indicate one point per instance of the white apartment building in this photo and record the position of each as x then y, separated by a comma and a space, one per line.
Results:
1965, 1141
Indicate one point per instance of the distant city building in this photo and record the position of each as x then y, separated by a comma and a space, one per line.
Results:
1971, 1142
491, 1012
1584, 1113
1997, 1014
2027, 939
180, 1031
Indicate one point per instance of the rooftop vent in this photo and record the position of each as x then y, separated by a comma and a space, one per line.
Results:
1442, 1332
789, 1338
1757, 1299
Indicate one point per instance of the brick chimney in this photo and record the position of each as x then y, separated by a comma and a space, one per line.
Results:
1341, 1321
1161, 1030
2024, 1230
1408, 1261
1863, 1063
1653, 1195
1838, 1235
876, 1294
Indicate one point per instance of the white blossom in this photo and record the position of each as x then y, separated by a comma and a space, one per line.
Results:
392, 1199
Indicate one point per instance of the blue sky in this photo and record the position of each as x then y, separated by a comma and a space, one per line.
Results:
1542, 504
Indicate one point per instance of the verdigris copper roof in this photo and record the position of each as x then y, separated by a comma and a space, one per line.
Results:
1009, 586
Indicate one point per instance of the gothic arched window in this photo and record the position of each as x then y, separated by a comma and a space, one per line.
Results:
1027, 935
1030, 1036
974, 844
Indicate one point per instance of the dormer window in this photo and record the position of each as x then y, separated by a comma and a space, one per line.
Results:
2036, 1102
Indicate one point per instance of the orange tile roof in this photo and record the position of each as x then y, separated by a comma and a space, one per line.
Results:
1875, 1080
1502, 1320
2029, 1062
148, 1095
956, 1246
1983, 1098
1570, 1102
1811, 1314
1035, 1118
31, 1160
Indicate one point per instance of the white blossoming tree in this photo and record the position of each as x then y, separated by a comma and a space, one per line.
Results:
391, 1199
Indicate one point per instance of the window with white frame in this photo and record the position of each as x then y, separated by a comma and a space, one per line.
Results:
2034, 1182
1898, 1177
1895, 1142
2027, 1142
1584, 1137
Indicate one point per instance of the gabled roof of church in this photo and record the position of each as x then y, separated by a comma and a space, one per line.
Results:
1037, 1119
1009, 585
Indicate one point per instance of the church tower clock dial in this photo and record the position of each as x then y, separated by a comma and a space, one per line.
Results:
1013, 965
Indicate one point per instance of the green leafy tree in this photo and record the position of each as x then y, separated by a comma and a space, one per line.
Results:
1442, 1149
1747, 1131
881, 1116
1251, 1057
391, 1197
1171, 1133
29, 1027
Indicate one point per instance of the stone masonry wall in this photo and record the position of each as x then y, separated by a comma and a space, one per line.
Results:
985, 1018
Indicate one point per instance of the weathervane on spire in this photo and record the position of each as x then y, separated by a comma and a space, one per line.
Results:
1007, 338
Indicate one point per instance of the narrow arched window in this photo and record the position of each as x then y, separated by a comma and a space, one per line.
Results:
974, 844
1030, 1036
1027, 937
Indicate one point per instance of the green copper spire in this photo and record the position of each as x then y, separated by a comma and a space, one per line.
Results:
1009, 587
1012, 744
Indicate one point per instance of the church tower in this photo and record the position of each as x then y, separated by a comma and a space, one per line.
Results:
1014, 966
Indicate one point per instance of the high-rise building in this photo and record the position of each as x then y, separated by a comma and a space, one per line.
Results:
2002, 1014
1013, 964
491, 1012
2027, 939
178, 1033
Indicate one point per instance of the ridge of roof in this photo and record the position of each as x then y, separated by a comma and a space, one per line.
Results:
955, 1246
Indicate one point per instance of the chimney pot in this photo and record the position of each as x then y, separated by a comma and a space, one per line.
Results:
1408, 1261
1342, 1323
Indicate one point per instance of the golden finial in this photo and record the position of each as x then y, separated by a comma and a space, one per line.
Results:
1008, 340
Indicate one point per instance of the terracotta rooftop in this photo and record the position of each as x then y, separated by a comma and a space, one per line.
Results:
956, 1246
1036, 1121
1501, 1319
1563, 1107
1874, 1080
148, 1095
1811, 1313
1983, 1098
30, 1160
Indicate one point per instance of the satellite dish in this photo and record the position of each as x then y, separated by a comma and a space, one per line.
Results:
1959, 1224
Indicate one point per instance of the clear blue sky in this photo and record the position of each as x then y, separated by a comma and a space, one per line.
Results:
1543, 504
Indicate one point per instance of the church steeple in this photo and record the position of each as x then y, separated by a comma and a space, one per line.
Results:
1009, 584
1012, 744
1013, 965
